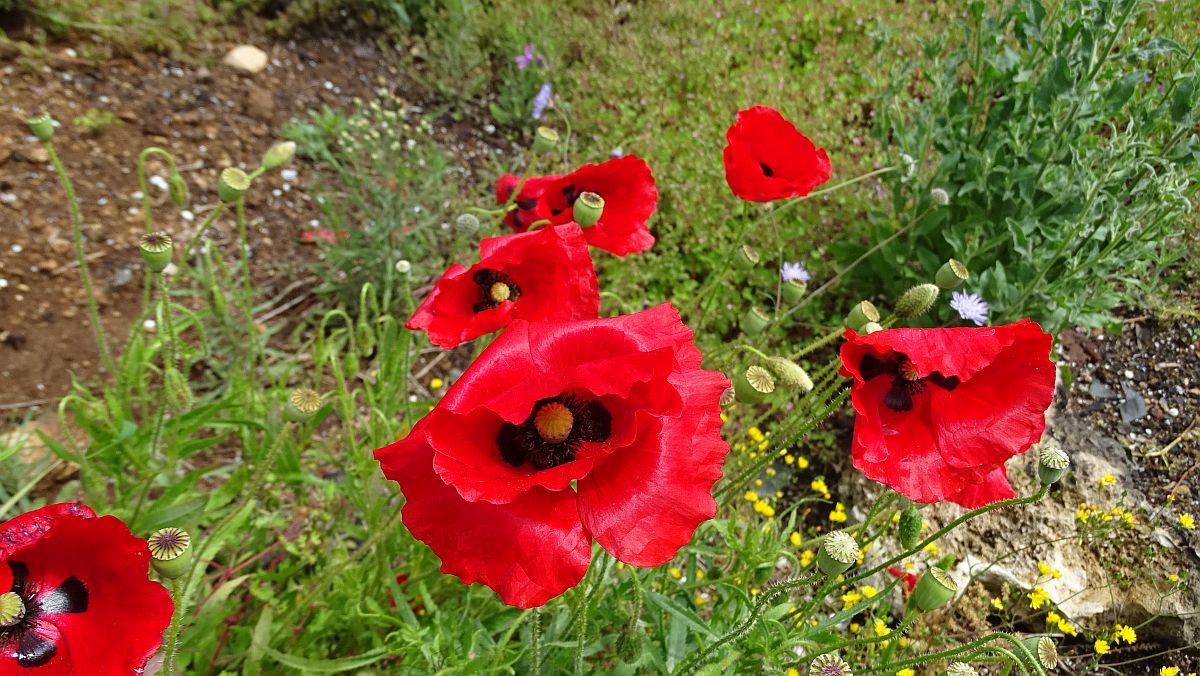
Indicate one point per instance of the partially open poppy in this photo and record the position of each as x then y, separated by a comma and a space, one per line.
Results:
939, 411
537, 276
76, 598
528, 202
767, 158
559, 434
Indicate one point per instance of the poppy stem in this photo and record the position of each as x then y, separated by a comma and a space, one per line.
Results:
173, 633
535, 640
187, 250
1020, 650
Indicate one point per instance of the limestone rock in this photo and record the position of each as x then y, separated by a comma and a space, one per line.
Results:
247, 58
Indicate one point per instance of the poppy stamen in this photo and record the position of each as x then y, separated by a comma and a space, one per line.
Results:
495, 287
554, 432
554, 422
12, 609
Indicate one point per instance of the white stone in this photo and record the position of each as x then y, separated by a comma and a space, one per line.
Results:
247, 58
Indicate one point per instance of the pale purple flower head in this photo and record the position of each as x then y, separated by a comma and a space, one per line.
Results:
525, 59
794, 272
544, 95
969, 306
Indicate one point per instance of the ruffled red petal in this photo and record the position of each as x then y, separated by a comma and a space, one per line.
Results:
529, 550
26, 529
630, 199
551, 267
116, 624
953, 443
529, 201
647, 499
767, 158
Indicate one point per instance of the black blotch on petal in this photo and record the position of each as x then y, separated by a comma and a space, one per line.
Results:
20, 573
898, 398
872, 366
69, 597
947, 383
526, 205
34, 650
767, 171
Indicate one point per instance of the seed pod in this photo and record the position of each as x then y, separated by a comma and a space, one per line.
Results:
753, 385
838, 552
860, 315
793, 290
170, 552
232, 184
12, 609
155, 248
1053, 464
939, 196
934, 589
1043, 650
829, 664
544, 140
747, 257
42, 126
589, 206
952, 274
961, 669
302, 403
755, 321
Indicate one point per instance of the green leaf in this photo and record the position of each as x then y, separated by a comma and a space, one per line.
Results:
327, 666
844, 615
685, 615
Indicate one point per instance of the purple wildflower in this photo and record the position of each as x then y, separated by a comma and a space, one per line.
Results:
794, 272
544, 95
526, 58
969, 306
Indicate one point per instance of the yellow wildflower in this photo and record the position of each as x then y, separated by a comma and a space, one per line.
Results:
838, 515
806, 558
850, 598
1038, 597
802, 462
932, 548
700, 600
794, 538
1102, 647
793, 671
1125, 633
1169, 671
1053, 618
1067, 628
868, 591
436, 383
1187, 521
789, 458
1107, 480
1173, 578
906, 672
818, 486
997, 604
855, 627
756, 434
751, 496
1044, 569
881, 628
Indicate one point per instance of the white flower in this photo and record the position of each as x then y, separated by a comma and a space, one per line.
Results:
969, 306
910, 165
940, 197
794, 272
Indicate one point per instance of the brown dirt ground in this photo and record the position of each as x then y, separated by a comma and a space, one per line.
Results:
209, 116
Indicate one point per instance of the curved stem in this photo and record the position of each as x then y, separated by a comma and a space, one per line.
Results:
141, 177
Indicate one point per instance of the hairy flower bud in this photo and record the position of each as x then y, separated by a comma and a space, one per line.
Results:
155, 248
910, 527
232, 184
838, 552
790, 374
170, 552
278, 155
42, 126
467, 224
753, 385
916, 301
952, 274
1052, 464
934, 589
544, 140
860, 315
177, 391
589, 206
178, 191
755, 322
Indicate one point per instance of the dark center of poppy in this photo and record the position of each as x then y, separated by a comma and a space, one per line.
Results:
766, 169
495, 287
554, 432
32, 648
906, 380
570, 194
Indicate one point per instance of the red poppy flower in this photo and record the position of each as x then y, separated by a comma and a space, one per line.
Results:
767, 158
630, 198
559, 434
910, 579
528, 202
941, 410
86, 603
537, 276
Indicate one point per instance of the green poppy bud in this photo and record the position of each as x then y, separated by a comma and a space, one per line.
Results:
177, 391
365, 337
916, 301
155, 248
467, 224
1053, 464
544, 140
12, 609
755, 322
232, 184
952, 274
934, 589
588, 208
42, 126
790, 374
838, 552
860, 315
747, 257
910, 527
302, 404
1043, 650
829, 664
170, 552
793, 290
178, 191
278, 155
753, 385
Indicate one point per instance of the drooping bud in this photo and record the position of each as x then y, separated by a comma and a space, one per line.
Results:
232, 184
790, 374
278, 155
170, 552
302, 404
12, 609
155, 248
1052, 464
1043, 650
177, 391
753, 385
910, 527
544, 140
794, 290
940, 197
178, 191
403, 266
838, 552
934, 589
747, 256
916, 301
952, 274
829, 664
365, 336
755, 321
860, 315
42, 126
467, 224
589, 206
872, 327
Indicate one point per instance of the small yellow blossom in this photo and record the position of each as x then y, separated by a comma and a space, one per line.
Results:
906, 672
436, 383
1107, 480
855, 627
765, 509
818, 486
838, 515
700, 600
1053, 618
881, 628
675, 573
751, 496
1038, 597
771, 471
1169, 671
850, 598
802, 462
1125, 633
1173, 578
1102, 647
1187, 521
868, 591
758, 483
793, 671
806, 558
1067, 628
789, 458
997, 604
1170, 498
699, 573
756, 434
932, 548
794, 538
1044, 569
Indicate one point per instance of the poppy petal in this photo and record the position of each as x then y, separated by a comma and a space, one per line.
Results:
767, 158
529, 550
630, 199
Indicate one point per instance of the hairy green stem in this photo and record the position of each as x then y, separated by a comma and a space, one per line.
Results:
173, 633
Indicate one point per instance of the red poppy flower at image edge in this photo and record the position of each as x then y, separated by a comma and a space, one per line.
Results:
89, 605
542, 275
619, 406
767, 158
939, 411
630, 199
